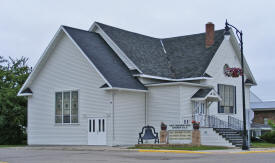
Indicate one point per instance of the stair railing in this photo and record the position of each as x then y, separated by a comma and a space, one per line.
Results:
235, 123
212, 121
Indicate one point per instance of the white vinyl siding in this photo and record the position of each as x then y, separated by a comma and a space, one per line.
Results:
129, 116
163, 105
226, 54
66, 69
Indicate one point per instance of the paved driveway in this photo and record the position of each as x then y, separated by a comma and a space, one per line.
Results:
26, 155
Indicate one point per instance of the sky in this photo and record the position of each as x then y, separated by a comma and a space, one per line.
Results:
26, 27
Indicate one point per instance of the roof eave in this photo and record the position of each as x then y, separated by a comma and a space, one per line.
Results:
124, 89
170, 79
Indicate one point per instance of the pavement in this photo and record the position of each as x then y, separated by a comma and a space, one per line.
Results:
126, 149
83, 154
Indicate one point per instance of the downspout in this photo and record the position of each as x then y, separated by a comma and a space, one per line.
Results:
113, 116
145, 107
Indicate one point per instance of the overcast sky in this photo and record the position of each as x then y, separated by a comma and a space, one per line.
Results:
27, 26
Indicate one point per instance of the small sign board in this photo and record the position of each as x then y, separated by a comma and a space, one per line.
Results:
179, 127
180, 135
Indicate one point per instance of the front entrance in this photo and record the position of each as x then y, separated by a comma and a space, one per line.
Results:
200, 112
96, 131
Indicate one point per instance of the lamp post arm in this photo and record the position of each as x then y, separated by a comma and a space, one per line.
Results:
238, 32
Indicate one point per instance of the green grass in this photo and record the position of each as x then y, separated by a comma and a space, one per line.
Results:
6, 146
262, 145
191, 148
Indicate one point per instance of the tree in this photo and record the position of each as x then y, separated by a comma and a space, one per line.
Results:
13, 109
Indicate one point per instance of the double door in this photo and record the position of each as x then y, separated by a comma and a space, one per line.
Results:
96, 131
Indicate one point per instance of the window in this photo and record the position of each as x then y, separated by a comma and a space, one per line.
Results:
265, 121
228, 95
199, 108
66, 107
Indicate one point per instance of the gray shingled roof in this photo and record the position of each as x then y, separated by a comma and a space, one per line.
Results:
202, 93
104, 58
185, 56
265, 105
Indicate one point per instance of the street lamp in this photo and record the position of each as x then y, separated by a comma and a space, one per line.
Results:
239, 35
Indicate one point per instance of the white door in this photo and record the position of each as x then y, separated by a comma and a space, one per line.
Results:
96, 131
200, 112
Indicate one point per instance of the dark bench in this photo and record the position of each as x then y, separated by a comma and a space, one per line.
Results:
149, 133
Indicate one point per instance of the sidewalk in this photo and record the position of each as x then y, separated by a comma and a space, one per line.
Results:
224, 151
125, 148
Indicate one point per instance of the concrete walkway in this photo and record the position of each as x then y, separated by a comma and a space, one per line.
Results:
125, 148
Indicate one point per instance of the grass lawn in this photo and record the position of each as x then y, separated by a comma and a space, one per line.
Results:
262, 145
6, 146
191, 148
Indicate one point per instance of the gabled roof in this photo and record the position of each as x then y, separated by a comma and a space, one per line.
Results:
176, 58
100, 55
202, 93
104, 58
206, 94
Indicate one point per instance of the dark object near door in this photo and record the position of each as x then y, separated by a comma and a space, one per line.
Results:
149, 133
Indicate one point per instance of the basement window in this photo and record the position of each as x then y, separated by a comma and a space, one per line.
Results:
66, 107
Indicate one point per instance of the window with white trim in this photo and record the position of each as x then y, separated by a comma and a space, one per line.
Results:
265, 121
228, 95
66, 107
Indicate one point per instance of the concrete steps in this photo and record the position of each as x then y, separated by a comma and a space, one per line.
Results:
231, 135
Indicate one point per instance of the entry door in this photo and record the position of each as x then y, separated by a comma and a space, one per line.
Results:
96, 131
200, 112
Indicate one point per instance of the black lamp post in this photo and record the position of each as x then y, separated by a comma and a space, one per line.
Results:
240, 38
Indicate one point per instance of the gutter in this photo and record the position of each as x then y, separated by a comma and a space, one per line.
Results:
170, 79
178, 83
124, 89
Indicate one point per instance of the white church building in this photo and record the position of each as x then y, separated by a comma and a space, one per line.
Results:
101, 86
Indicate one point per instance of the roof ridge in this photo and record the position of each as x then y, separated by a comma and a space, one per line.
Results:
125, 30
152, 36
190, 35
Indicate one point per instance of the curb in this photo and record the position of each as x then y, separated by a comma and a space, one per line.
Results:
172, 151
247, 152
200, 152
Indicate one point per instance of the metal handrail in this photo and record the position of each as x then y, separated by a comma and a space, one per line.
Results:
212, 121
235, 123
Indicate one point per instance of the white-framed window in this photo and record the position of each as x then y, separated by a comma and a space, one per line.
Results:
265, 121
228, 95
66, 107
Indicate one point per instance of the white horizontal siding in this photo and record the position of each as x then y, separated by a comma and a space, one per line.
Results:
226, 55
129, 116
65, 69
186, 106
163, 105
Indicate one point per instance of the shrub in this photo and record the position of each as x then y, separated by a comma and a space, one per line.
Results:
269, 137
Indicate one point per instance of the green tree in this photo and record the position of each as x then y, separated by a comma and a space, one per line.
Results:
271, 124
13, 109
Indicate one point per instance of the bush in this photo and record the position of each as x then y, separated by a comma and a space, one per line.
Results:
255, 139
269, 137
13, 109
